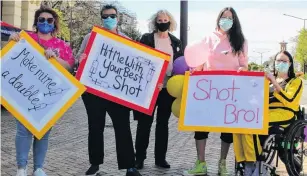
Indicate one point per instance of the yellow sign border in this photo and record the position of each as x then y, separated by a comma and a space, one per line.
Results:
182, 127
81, 88
131, 43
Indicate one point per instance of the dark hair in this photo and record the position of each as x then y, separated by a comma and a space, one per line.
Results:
235, 34
43, 9
291, 73
107, 7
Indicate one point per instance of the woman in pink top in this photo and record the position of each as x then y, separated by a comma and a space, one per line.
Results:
46, 23
227, 51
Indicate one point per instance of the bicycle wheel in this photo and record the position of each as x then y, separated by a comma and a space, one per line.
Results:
295, 154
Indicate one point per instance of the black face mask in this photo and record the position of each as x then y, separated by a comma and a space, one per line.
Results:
163, 26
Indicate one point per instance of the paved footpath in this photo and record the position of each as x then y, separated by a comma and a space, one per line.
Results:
68, 155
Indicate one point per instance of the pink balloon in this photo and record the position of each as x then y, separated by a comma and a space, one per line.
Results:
196, 54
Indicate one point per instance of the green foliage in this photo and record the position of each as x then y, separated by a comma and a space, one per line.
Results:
83, 15
301, 48
64, 32
132, 32
255, 67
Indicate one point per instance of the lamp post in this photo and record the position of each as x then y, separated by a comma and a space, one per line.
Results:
304, 19
184, 22
261, 53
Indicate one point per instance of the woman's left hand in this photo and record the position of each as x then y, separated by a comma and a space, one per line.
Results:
242, 69
160, 86
49, 53
270, 77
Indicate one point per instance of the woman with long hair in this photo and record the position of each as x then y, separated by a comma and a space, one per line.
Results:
46, 24
285, 93
227, 50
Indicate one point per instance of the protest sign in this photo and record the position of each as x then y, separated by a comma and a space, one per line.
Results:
35, 90
123, 71
225, 101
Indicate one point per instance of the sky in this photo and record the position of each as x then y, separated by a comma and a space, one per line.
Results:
263, 22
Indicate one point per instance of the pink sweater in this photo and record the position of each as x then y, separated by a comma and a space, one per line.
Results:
58, 46
220, 54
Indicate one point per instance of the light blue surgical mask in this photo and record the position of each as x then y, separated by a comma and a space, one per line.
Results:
110, 23
282, 67
225, 24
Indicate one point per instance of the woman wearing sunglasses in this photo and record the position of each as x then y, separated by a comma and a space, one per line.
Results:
96, 109
46, 24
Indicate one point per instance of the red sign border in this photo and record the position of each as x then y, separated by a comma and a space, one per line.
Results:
114, 99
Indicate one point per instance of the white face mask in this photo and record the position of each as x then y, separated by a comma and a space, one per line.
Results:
225, 24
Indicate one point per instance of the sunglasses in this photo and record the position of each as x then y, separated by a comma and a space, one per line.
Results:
42, 20
105, 16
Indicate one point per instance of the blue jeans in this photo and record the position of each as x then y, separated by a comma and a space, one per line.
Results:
23, 143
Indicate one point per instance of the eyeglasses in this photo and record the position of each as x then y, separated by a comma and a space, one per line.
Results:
230, 18
283, 61
42, 20
105, 16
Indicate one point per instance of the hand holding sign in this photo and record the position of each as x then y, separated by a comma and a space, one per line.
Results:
49, 53
14, 36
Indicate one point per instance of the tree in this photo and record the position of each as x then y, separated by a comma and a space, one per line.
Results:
301, 49
253, 66
82, 15
130, 28
64, 32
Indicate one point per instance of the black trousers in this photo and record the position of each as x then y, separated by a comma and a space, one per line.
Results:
225, 137
164, 105
96, 109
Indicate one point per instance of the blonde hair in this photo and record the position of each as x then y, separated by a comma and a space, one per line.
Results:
152, 21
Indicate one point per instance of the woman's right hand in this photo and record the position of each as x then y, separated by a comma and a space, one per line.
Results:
82, 57
199, 68
15, 37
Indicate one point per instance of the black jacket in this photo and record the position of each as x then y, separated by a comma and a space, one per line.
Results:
148, 39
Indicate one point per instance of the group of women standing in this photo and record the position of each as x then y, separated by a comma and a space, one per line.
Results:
228, 36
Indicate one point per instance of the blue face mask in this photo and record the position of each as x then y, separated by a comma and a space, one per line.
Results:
225, 24
282, 67
110, 23
45, 27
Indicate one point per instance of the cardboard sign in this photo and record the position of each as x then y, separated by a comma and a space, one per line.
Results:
35, 90
123, 71
225, 101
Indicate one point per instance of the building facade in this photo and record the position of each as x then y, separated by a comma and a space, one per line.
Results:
19, 13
